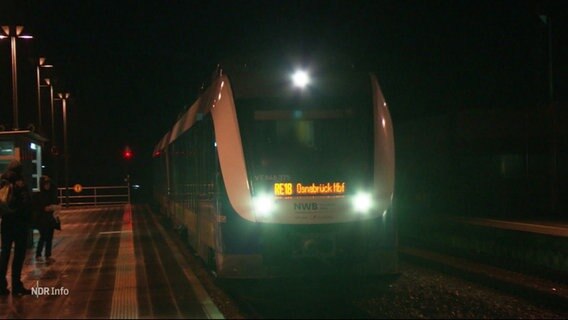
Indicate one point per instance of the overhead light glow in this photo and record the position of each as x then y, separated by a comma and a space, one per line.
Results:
300, 79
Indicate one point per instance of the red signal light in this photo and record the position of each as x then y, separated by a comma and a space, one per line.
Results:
127, 153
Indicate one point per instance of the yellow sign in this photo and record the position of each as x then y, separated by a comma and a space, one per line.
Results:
77, 188
289, 189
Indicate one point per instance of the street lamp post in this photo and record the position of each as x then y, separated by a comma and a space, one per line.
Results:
553, 118
554, 126
64, 97
53, 151
48, 82
13, 33
41, 64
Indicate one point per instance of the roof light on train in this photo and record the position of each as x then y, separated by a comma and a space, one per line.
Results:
263, 205
362, 202
300, 79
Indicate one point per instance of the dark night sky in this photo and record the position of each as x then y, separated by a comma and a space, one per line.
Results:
131, 66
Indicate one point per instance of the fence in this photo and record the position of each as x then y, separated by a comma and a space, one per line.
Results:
94, 196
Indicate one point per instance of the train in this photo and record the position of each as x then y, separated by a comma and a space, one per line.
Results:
283, 169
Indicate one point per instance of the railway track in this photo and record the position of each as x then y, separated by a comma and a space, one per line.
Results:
321, 298
431, 285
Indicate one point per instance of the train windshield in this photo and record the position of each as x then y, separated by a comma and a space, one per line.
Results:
307, 145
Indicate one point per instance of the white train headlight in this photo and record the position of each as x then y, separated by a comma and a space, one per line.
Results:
362, 202
300, 79
263, 204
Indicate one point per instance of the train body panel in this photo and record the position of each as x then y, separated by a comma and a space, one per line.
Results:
283, 184
383, 146
230, 150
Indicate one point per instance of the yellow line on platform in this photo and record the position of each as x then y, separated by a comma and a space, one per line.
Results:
124, 301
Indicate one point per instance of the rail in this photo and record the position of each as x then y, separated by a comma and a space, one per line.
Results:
94, 196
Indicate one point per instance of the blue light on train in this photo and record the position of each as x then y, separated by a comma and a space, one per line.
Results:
300, 79
362, 202
263, 204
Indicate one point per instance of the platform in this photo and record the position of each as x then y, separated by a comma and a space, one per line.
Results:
535, 245
110, 262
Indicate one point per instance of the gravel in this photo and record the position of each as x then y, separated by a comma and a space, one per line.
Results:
418, 293
422, 293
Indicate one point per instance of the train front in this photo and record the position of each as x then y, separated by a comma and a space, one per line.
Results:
319, 155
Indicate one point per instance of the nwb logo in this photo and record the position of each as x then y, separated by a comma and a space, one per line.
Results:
311, 206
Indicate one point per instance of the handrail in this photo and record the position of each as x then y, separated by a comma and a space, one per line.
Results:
94, 196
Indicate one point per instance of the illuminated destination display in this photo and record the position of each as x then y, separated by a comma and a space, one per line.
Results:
287, 189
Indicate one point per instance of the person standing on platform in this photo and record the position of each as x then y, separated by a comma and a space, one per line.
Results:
45, 203
14, 229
